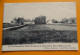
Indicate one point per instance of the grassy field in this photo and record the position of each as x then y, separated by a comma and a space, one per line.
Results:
38, 34
6, 25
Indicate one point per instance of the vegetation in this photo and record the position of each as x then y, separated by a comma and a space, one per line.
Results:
14, 22
54, 21
38, 34
70, 20
40, 20
5, 25
19, 21
65, 20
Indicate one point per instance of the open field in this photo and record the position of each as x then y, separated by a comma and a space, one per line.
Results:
6, 25
40, 34
50, 27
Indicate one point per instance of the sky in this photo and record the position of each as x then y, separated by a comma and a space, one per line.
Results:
52, 10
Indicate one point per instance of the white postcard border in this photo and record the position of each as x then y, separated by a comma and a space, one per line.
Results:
45, 46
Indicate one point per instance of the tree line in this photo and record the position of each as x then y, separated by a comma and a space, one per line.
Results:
42, 20
65, 20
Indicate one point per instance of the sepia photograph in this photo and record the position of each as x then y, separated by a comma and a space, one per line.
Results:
39, 26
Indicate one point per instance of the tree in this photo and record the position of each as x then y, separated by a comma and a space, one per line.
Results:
65, 20
72, 20
15, 20
40, 20
54, 21
19, 21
